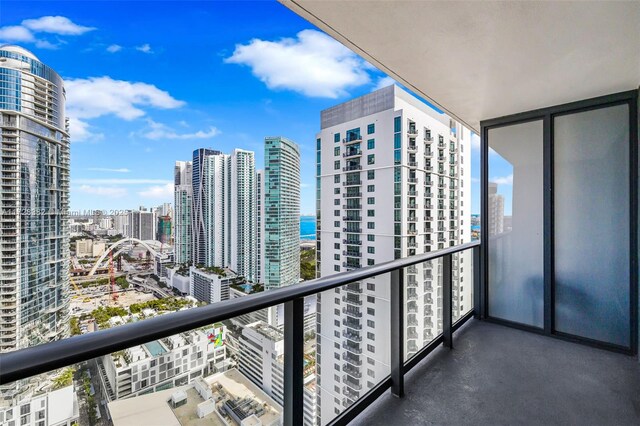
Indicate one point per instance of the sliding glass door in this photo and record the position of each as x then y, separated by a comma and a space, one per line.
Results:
560, 221
591, 224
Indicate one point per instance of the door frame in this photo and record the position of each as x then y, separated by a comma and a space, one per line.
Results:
547, 115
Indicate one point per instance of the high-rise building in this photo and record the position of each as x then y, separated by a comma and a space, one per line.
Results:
280, 210
393, 180
142, 224
243, 214
259, 226
182, 214
34, 257
224, 210
496, 210
121, 223
164, 229
211, 208
199, 205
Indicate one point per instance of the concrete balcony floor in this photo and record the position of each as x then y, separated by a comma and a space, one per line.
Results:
497, 375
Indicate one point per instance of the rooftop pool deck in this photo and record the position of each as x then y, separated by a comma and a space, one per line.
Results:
155, 348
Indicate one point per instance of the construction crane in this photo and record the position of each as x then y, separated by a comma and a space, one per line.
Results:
112, 277
75, 286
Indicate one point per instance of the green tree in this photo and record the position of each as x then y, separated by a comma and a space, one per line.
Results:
308, 264
122, 282
64, 379
75, 326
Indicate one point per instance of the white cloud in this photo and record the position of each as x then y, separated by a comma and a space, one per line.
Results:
164, 191
98, 96
45, 44
118, 181
312, 64
145, 48
106, 169
80, 131
104, 191
16, 33
161, 131
58, 25
114, 48
384, 82
504, 180
475, 180
305, 185
475, 141
55, 25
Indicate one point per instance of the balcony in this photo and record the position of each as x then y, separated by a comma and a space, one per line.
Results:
352, 195
351, 139
352, 153
492, 366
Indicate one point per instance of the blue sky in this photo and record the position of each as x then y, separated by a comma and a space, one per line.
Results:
147, 83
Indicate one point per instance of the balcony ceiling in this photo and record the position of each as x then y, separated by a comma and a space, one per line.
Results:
481, 60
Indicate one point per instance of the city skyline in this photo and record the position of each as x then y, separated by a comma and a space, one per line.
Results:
157, 115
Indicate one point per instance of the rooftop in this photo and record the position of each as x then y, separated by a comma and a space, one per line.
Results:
230, 388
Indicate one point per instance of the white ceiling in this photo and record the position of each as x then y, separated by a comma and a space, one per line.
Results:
479, 59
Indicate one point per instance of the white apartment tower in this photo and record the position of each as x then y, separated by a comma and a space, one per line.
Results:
182, 215
393, 180
260, 226
224, 212
243, 214
496, 210
211, 208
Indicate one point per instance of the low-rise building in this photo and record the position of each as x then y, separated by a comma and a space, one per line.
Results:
224, 399
210, 284
261, 359
177, 277
55, 408
90, 248
164, 363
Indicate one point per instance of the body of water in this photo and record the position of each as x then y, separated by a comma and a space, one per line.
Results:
308, 228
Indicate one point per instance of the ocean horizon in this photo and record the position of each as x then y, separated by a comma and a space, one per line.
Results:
308, 228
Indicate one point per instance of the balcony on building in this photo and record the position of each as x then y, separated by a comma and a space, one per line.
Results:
556, 335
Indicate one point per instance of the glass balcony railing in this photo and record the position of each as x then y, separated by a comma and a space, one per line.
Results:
387, 322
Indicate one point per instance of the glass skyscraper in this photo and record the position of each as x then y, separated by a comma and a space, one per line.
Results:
34, 238
281, 209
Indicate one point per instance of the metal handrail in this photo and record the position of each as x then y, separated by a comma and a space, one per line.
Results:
42, 358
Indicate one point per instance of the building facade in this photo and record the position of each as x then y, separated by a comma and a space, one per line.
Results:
163, 364
280, 245
210, 224
182, 215
496, 210
143, 225
210, 284
34, 257
261, 360
393, 180
164, 229
243, 214
259, 226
